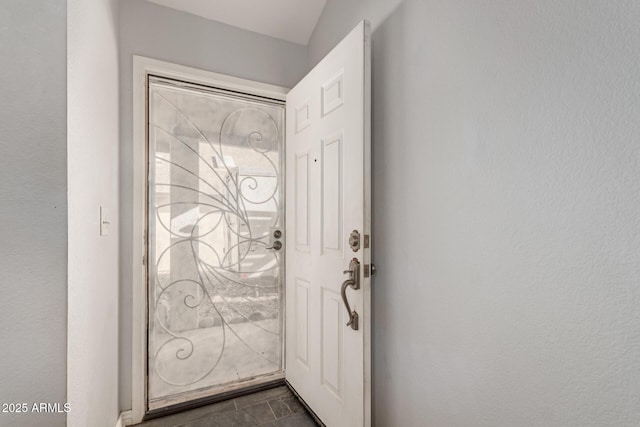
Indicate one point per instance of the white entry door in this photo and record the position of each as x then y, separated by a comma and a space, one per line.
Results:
328, 228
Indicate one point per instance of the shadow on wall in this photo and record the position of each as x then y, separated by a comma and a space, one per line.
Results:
388, 135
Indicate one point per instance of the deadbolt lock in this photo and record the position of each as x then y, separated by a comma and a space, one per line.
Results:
354, 240
276, 243
276, 239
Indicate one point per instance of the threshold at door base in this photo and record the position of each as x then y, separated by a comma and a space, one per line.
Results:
204, 401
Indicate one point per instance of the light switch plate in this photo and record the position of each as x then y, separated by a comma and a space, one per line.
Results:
104, 222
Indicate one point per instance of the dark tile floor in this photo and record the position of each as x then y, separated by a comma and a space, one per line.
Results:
276, 407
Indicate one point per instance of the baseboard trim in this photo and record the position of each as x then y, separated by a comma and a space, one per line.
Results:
125, 419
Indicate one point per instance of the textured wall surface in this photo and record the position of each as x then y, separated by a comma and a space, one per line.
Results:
166, 34
33, 208
506, 210
93, 182
337, 16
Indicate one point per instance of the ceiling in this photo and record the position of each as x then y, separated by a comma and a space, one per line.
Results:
291, 20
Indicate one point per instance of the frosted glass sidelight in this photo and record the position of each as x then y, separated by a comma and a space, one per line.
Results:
214, 196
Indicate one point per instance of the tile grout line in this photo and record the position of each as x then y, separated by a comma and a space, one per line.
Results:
271, 409
234, 410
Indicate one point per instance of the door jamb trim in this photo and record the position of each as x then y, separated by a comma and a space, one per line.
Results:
142, 68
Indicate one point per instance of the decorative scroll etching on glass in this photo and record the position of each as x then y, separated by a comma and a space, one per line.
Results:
215, 191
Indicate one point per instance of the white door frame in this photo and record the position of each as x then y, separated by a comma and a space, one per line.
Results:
142, 68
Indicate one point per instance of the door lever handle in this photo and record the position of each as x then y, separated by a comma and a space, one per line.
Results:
354, 282
353, 316
277, 245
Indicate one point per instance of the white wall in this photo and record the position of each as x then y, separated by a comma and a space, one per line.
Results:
338, 17
506, 210
33, 208
162, 33
93, 182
